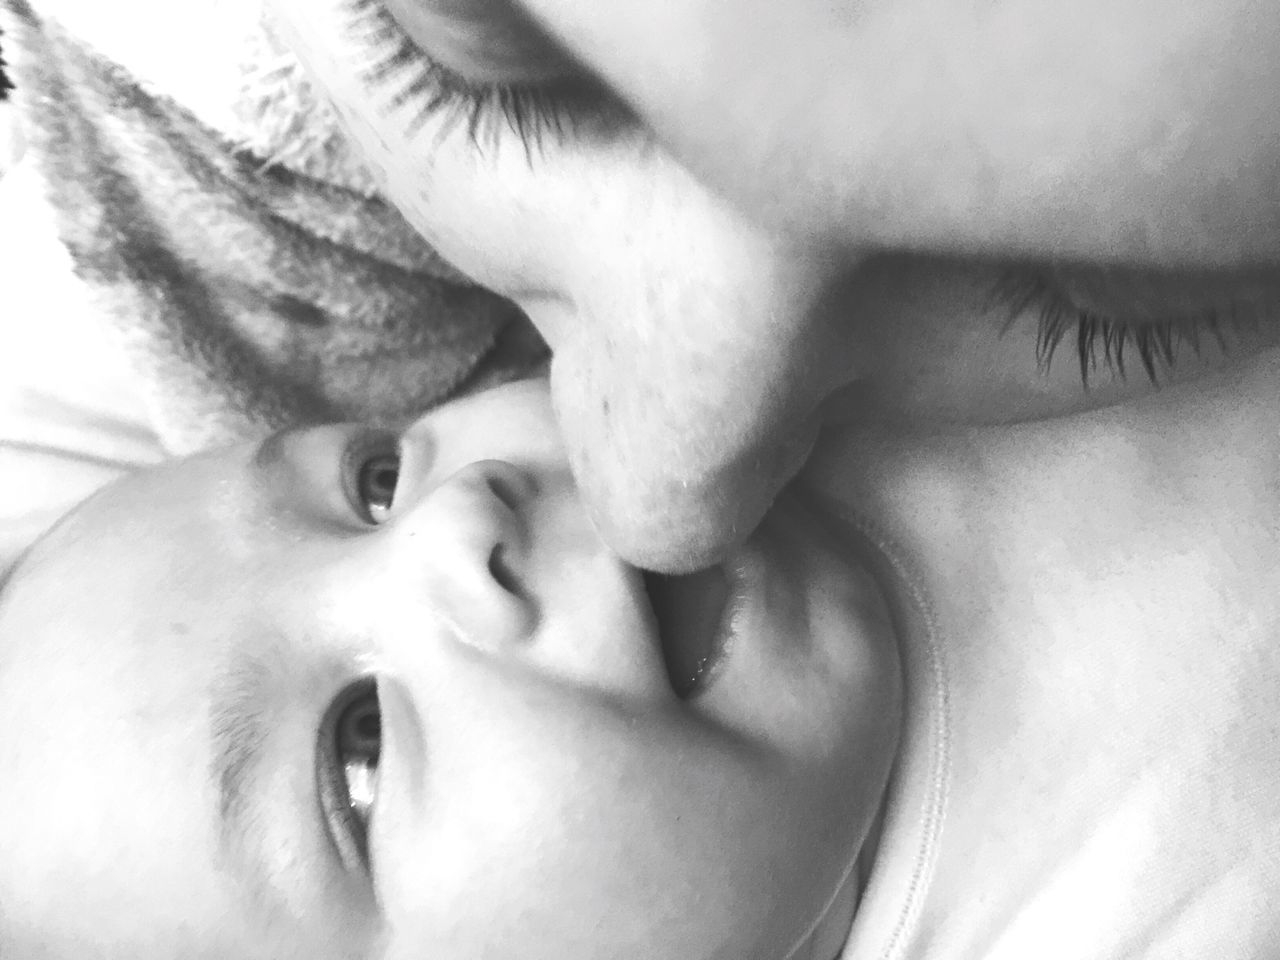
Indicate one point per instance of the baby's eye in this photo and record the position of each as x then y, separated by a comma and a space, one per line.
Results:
371, 473
351, 742
376, 485
359, 735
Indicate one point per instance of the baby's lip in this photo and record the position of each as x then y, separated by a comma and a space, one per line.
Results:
690, 613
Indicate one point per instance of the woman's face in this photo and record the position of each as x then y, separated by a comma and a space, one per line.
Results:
192, 720
973, 213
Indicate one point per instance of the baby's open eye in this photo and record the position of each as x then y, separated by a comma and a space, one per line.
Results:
371, 473
351, 743
359, 734
376, 485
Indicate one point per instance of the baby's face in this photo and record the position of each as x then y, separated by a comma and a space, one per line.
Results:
254, 711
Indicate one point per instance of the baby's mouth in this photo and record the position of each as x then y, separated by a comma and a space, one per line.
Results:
690, 612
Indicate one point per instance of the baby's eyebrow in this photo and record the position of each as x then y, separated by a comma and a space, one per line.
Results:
239, 731
240, 725
263, 828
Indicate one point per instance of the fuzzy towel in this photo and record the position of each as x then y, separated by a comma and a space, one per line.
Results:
5, 84
256, 278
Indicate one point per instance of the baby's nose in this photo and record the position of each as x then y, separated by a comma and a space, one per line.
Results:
468, 537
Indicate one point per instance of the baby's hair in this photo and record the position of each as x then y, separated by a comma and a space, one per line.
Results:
9, 573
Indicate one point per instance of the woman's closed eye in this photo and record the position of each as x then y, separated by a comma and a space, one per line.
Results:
1110, 318
541, 96
348, 751
983, 342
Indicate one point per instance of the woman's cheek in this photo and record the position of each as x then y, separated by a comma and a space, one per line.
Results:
532, 217
561, 223
527, 226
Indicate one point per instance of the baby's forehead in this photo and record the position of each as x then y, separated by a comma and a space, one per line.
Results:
109, 778
109, 560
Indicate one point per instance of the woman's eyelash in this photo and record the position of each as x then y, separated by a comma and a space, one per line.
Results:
400, 70
1105, 341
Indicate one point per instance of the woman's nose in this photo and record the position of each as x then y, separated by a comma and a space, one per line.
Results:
467, 538
686, 380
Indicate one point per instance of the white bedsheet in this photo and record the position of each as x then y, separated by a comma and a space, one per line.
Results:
70, 418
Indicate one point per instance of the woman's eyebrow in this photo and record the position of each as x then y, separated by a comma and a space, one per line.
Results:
269, 454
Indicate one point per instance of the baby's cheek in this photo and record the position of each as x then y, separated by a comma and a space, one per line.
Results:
406, 894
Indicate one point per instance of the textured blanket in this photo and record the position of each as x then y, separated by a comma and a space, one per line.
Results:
253, 286
5, 84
